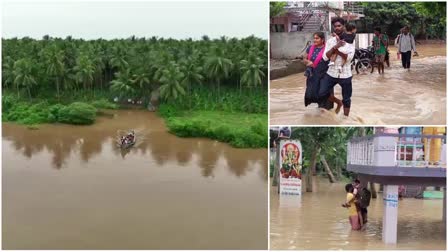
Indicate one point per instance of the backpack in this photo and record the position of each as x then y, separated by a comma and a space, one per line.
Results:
364, 197
397, 40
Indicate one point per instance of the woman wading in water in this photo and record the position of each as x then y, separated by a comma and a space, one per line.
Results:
315, 71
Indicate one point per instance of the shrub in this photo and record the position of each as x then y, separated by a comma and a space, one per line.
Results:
104, 104
77, 113
168, 111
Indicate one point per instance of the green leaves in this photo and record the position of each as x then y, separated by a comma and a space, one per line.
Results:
24, 75
137, 67
276, 9
171, 80
252, 70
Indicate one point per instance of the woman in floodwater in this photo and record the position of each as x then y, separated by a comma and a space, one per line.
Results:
316, 68
350, 205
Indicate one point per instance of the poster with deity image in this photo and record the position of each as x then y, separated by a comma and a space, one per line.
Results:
290, 167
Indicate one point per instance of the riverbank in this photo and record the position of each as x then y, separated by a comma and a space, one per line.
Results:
40, 111
241, 130
251, 132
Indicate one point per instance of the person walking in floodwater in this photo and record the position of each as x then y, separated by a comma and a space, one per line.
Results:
362, 199
380, 45
333, 75
315, 71
350, 205
406, 44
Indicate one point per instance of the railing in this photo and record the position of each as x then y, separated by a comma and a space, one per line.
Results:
353, 8
307, 14
411, 150
360, 151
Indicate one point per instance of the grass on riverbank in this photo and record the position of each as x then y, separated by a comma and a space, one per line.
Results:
241, 130
49, 111
228, 124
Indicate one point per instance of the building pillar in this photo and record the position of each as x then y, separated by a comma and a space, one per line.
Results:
390, 214
444, 205
384, 155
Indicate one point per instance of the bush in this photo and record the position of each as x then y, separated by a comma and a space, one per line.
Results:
8, 101
168, 111
249, 132
104, 104
77, 113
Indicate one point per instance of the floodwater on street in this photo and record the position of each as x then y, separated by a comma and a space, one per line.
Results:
399, 97
317, 221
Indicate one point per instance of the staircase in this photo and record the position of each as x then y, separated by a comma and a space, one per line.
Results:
311, 16
313, 24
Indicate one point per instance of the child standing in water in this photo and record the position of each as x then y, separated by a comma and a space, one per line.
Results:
349, 37
350, 205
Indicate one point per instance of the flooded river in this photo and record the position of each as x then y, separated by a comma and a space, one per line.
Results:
70, 187
399, 97
317, 221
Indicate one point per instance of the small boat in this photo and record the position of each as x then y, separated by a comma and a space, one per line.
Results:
125, 144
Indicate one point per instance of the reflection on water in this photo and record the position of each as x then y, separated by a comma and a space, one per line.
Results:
70, 187
398, 97
317, 221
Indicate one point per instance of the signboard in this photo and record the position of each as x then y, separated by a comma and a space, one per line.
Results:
290, 167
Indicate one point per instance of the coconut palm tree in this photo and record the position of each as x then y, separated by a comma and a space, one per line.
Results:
24, 75
84, 70
252, 70
122, 85
54, 59
171, 80
218, 67
192, 75
7, 72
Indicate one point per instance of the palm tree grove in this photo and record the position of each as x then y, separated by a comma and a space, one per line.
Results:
200, 87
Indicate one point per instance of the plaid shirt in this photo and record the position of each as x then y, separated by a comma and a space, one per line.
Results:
346, 68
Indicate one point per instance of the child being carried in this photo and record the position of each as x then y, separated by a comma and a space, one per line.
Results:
349, 37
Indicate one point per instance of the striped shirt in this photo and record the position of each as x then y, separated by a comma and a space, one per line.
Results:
406, 43
346, 68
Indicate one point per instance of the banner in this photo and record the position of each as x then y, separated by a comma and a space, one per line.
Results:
290, 167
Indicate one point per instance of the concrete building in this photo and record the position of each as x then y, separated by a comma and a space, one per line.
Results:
382, 159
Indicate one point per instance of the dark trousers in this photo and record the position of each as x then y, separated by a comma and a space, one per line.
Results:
406, 59
327, 84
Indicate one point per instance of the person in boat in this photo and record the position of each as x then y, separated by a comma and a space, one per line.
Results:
130, 137
123, 140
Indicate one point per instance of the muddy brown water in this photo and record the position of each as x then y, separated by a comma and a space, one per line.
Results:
70, 187
398, 97
317, 221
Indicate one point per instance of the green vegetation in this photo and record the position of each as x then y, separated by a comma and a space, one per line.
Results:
67, 80
44, 111
133, 68
426, 20
324, 144
250, 131
276, 9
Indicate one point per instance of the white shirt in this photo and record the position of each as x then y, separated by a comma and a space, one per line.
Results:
406, 43
346, 68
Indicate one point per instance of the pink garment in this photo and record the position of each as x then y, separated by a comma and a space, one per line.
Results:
319, 56
354, 222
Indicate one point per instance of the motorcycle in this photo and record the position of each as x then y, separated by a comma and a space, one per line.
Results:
364, 60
